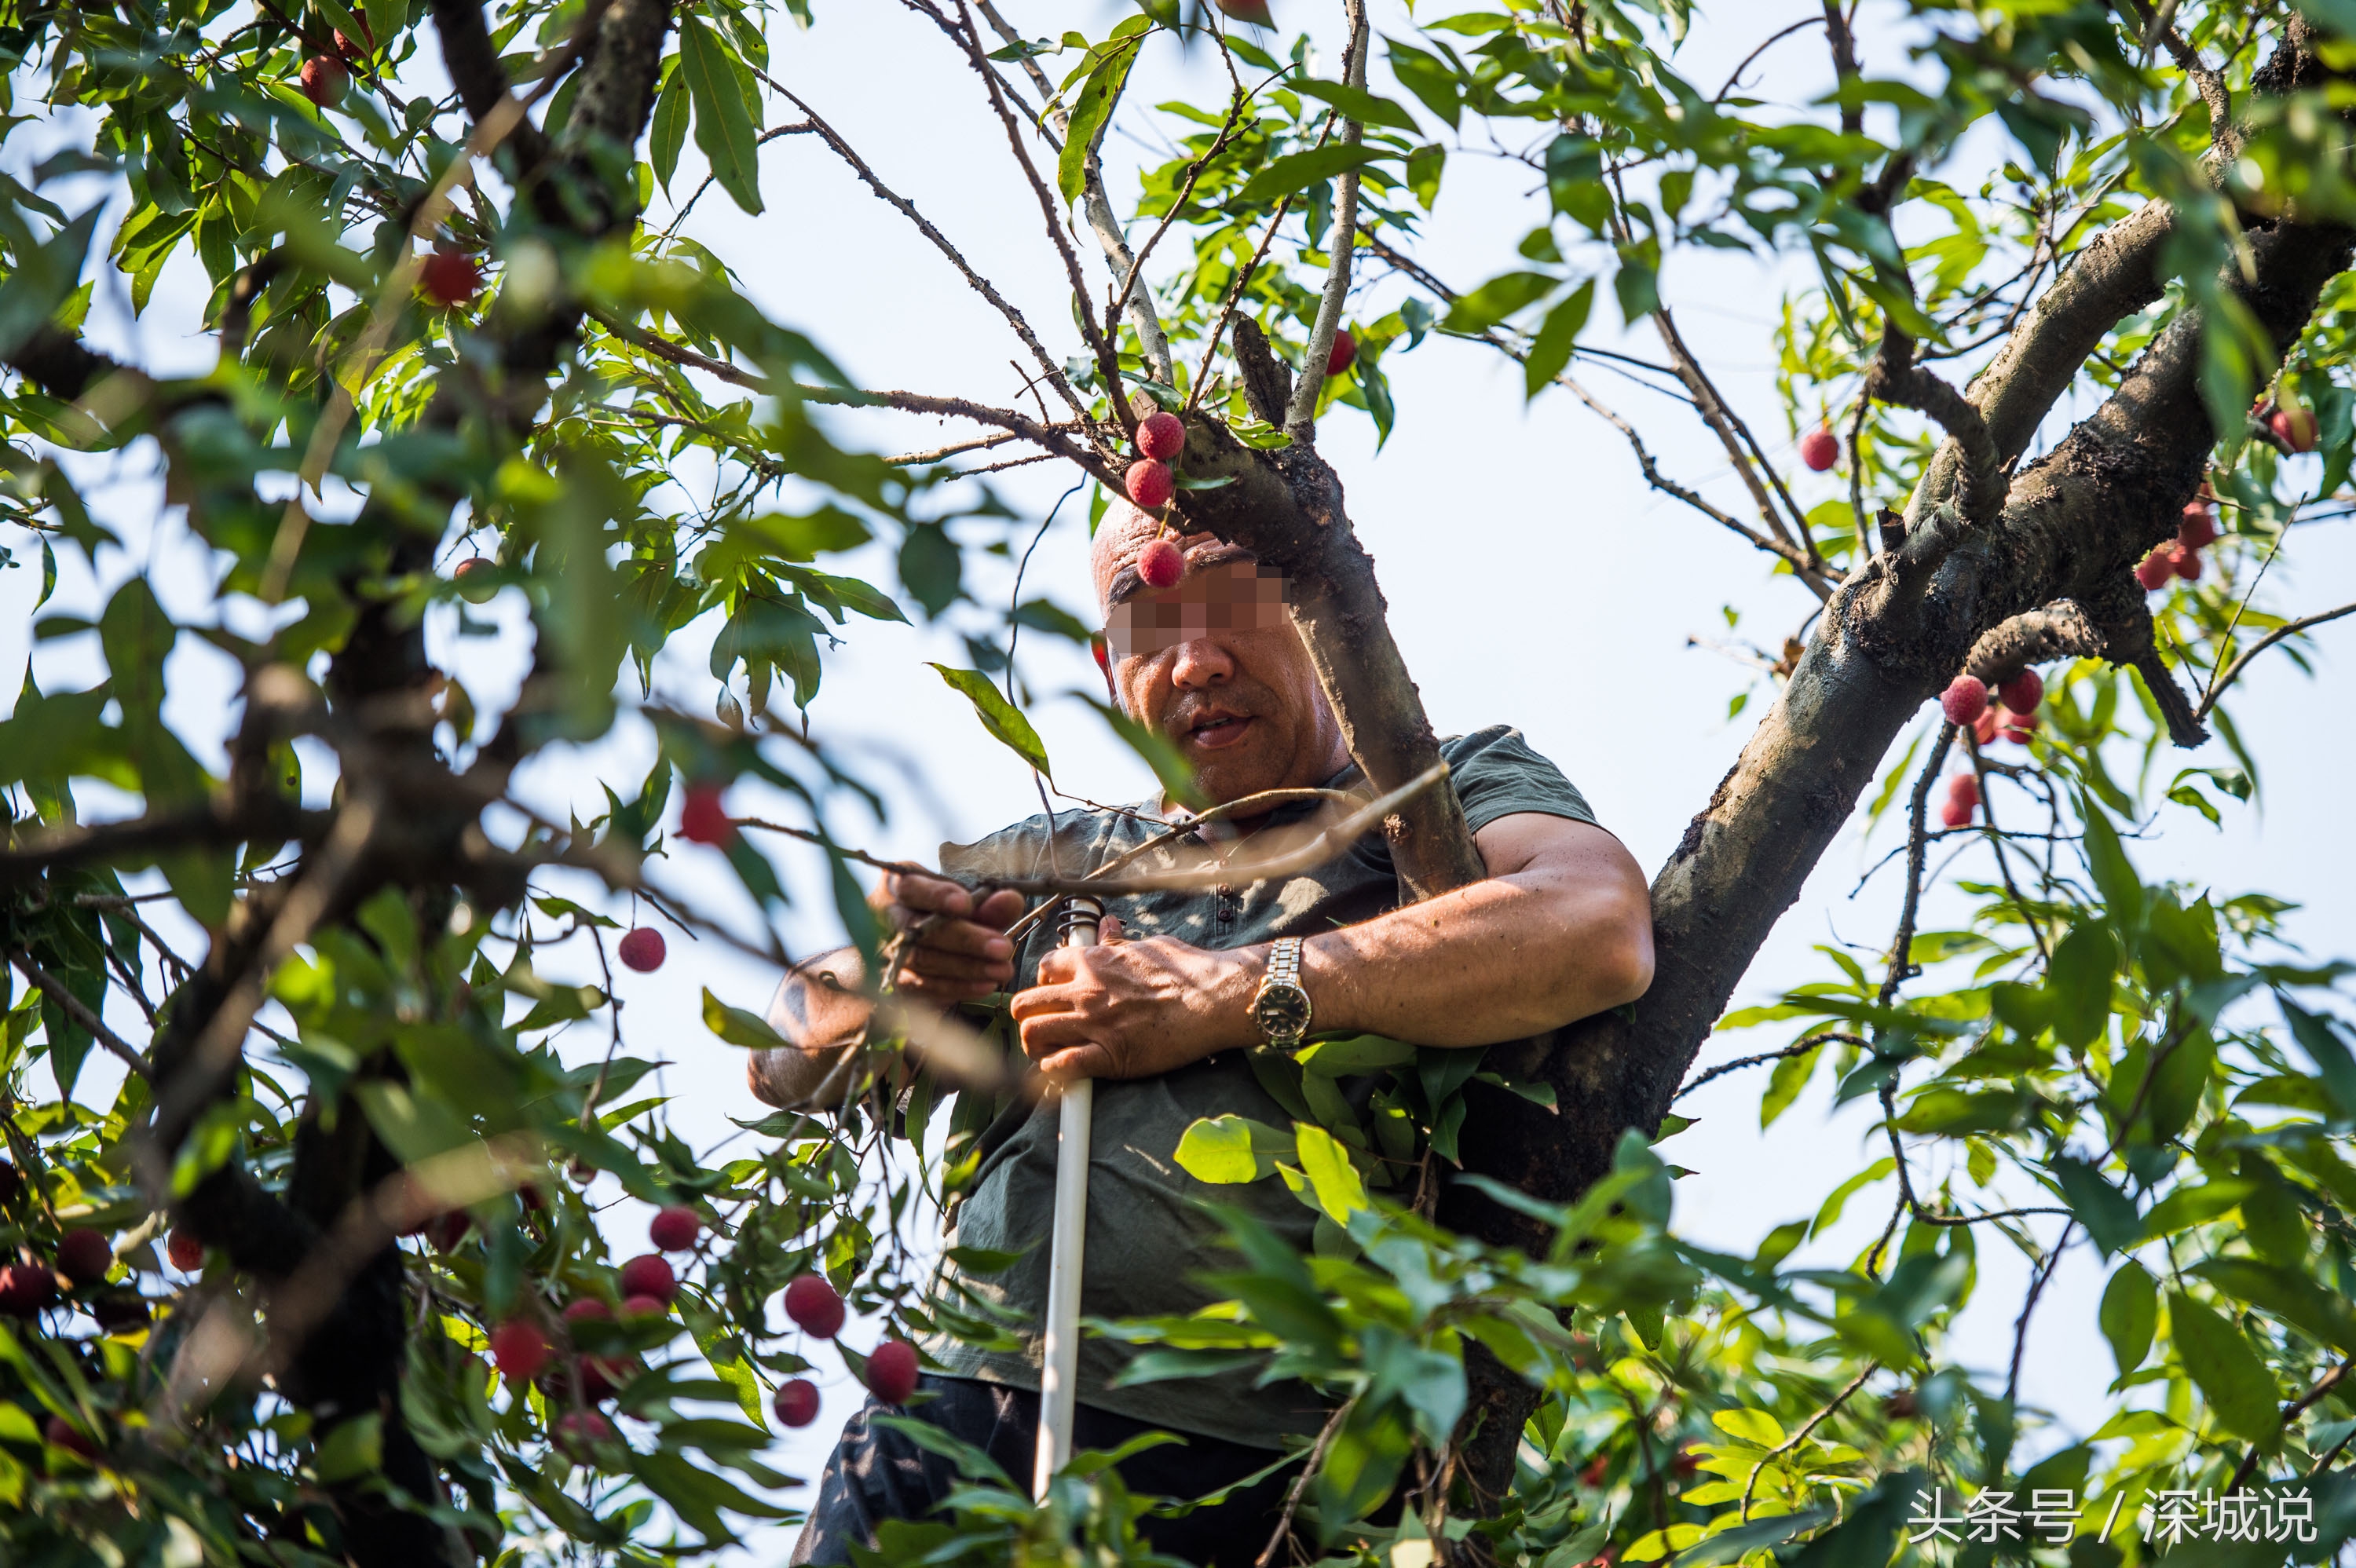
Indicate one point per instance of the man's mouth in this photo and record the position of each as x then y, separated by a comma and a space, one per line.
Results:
1214, 732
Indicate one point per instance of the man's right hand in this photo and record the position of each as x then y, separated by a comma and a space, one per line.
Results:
962, 953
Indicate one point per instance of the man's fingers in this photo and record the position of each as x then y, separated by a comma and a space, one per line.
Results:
957, 965
968, 938
928, 895
1109, 929
1001, 909
1085, 1060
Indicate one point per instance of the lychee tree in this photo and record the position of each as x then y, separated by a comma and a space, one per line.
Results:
392, 1331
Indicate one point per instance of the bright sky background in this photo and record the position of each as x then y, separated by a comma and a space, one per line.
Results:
1532, 580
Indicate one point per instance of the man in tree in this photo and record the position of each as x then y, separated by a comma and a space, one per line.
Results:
1167, 1007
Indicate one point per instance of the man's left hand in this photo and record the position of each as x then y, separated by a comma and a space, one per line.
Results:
1133, 1009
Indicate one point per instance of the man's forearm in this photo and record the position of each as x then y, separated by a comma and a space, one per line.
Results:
1501, 959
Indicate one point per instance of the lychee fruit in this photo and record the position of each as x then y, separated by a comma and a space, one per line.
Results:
2294, 426
1345, 349
2023, 692
519, 1350
2017, 727
796, 1401
25, 1289
59, 1433
1820, 449
477, 579
815, 1306
649, 1275
1149, 484
2187, 563
354, 51
580, 1430
1161, 564
447, 1229
2197, 529
1984, 727
2153, 571
1964, 787
639, 1308
703, 820
84, 1256
186, 1253
1162, 436
325, 81
1965, 700
892, 1372
450, 278
642, 949
588, 1309
675, 1228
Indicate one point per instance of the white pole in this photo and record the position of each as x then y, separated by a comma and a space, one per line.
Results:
1067, 1239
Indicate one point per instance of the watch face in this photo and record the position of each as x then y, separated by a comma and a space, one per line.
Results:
1281, 1010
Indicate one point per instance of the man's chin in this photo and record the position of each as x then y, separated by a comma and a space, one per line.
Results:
1231, 774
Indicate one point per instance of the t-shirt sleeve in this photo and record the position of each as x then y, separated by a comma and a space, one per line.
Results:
1496, 774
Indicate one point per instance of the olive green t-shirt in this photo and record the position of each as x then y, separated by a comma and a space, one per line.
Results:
1148, 1236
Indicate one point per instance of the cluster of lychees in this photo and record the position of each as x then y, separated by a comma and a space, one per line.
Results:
2195, 530
1161, 437
2011, 716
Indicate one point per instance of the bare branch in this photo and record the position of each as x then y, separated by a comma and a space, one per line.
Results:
72, 1006
1798, 1047
1053, 369
2287, 629
1300, 417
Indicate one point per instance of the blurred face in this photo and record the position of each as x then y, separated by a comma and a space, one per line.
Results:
1215, 665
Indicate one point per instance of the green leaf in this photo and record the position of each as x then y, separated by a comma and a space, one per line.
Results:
1495, 300
2115, 877
1340, 1191
1298, 171
1358, 103
1558, 335
1225, 1150
723, 129
1865, 1539
738, 1026
2108, 1214
1157, 750
1732, 1545
2223, 1366
1000, 717
669, 132
2129, 1315
1088, 111
1353, 1053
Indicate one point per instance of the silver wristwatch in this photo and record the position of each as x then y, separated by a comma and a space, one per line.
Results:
1281, 1009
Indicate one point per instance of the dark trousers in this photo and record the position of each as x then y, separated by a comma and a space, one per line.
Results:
877, 1474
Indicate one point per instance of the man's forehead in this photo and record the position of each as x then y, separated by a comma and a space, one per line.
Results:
1203, 554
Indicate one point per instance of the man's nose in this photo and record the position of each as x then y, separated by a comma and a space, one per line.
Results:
1200, 663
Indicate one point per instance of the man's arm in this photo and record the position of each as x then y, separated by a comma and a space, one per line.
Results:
821, 1005
1561, 928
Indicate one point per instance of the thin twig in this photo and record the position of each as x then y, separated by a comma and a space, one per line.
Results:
1794, 1441
1796, 1048
2028, 1304
73, 1008
2233, 670
1301, 1482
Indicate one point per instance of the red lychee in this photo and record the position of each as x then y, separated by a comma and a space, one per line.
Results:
703, 820
1161, 564
84, 1256
2294, 427
639, 1308
649, 1275
450, 278
25, 1289
892, 1372
588, 1309
796, 1401
477, 579
2153, 571
1965, 700
186, 1253
354, 52
2023, 692
1151, 484
675, 1228
1964, 787
519, 1350
447, 1229
1161, 437
2017, 727
1345, 349
815, 1306
1820, 448
642, 949
325, 81
1984, 727
2187, 563
580, 1430
59, 1433
2197, 529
